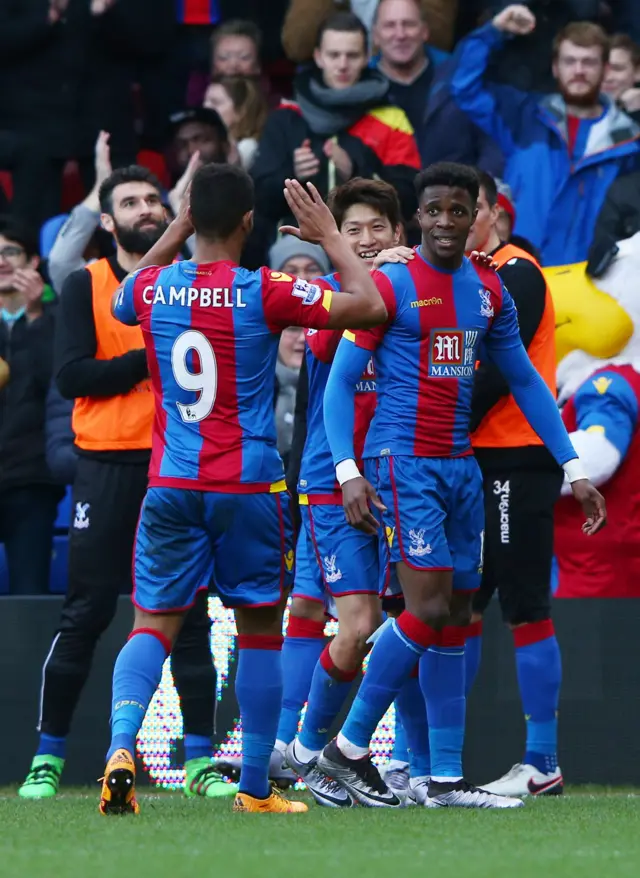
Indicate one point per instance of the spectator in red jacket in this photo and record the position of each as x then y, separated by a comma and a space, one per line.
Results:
341, 125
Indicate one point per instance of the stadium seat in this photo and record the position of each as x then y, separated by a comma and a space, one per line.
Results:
555, 575
49, 233
63, 518
4, 572
59, 565
6, 182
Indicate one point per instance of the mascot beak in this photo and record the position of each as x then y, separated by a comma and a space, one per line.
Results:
586, 318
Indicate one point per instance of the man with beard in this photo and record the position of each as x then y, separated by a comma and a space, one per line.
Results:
102, 365
562, 151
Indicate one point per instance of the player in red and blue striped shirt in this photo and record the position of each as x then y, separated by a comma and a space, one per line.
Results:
428, 485
337, 567
214, 509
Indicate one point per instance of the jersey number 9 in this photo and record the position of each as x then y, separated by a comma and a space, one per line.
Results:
204, 382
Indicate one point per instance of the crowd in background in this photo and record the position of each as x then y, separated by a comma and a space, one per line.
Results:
320, 90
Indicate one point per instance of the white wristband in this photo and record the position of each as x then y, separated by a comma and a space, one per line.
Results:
574, 470
347, 470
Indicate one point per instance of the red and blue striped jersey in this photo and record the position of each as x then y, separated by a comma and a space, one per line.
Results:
317, 482
211, 332
426, 352
197, 11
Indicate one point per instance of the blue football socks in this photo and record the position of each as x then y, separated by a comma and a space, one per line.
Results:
412, 711
52, 746
472, 653
303, 644
391, 662
259, 694
136, 676
400, 752
442, 674
330, 687
197, 747
539, 668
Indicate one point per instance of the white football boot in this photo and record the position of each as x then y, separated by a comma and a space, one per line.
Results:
526, 780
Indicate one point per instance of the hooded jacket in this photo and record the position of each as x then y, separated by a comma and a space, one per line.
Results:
377, 137
557, 198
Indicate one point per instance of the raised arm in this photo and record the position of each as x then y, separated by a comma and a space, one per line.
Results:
358, 304
493, 108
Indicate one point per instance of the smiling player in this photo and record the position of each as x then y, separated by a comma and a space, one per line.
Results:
420, 460
336, 566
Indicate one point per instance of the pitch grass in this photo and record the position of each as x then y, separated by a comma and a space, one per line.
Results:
588, 833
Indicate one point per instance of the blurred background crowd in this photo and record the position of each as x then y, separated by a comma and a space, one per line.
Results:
321, 90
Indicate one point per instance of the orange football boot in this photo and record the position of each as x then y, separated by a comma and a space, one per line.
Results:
119, 785
274, 804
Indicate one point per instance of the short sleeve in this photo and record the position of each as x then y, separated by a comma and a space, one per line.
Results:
323, 343
504, 332
291, 301
607, 405
130, 299
370, 339
124, 308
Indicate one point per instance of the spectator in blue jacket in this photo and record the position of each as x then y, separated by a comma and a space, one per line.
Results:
418, 74
562, 151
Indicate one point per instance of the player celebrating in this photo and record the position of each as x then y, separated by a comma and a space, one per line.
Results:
419, 456
214, 509
334, 563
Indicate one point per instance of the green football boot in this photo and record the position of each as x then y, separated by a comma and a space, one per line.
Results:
204, 780
43, 779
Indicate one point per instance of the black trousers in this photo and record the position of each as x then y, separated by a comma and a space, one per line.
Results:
106, 504
518, 545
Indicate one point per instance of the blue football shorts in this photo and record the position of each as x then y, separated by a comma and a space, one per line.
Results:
435, 515
333, 559
239, 545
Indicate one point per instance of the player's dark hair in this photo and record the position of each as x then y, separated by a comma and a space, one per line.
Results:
489, 185
237, 27
220, 197
343, 22
128, 174
374, 193
18, 233
450, 174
